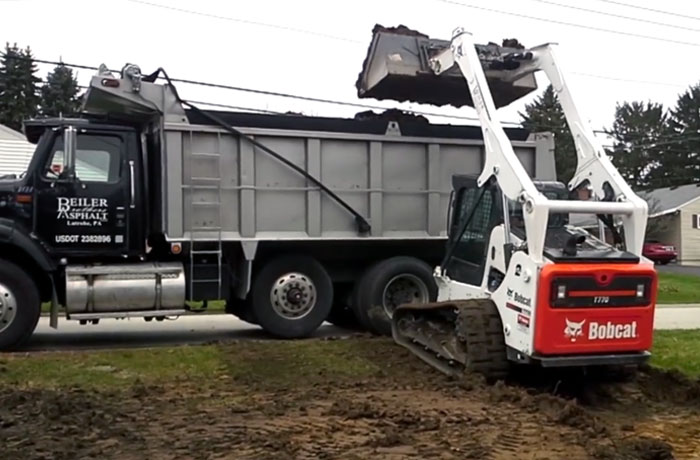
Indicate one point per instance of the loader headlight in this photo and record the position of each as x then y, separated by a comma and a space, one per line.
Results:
561, 292
640, 290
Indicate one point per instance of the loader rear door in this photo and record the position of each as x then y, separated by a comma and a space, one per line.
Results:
474, 215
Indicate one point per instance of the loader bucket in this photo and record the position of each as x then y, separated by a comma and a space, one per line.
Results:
396, 68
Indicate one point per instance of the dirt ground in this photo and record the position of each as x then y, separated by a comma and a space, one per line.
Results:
397, 408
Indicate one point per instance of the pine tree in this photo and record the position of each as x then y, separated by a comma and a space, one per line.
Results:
59, 95
546, 114
640, 145
683, 165
19, 95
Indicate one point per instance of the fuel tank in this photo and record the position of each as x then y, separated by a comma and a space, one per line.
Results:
125, 287
396, 68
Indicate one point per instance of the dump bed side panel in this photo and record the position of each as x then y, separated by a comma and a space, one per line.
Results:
400, 185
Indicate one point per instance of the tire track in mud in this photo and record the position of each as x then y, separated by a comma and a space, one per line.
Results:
404, 410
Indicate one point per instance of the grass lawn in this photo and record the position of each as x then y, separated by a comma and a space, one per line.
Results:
675, 288
274, 363
679, 350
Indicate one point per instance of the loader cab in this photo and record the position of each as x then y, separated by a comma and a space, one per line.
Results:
475, 211
85, 179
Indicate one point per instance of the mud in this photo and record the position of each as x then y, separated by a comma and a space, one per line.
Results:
404, 410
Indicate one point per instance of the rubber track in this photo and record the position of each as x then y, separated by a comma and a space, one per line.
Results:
481, 330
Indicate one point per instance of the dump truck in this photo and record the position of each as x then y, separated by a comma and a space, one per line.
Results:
145, 206
519, 283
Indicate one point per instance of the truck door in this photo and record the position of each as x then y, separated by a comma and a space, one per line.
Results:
86, 211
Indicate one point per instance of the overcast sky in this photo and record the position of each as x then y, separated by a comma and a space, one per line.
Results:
324, 61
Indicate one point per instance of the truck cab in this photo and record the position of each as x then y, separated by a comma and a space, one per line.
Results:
87, 204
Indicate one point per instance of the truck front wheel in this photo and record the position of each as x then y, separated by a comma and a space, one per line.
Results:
20, 306
292, 296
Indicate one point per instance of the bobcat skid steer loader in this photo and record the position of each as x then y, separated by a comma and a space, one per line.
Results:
518, 282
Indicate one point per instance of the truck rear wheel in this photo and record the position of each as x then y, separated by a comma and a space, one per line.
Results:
388, 284
20, 306
292, 296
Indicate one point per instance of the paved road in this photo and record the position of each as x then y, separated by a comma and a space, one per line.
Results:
680, 269
133, 333
209, 328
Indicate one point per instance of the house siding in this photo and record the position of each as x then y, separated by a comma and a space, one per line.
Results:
690, 237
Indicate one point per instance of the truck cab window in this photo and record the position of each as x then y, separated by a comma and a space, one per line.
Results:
97, 158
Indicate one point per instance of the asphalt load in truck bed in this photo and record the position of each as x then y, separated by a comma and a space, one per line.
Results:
365, 398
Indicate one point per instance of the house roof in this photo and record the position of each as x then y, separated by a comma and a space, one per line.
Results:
10, 134
15, 151
670, 199
661, 201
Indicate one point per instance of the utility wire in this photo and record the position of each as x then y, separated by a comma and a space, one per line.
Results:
309, 32
570, 24
245, 21
237, 107
653, 10
275, 93
614, 15
628, 80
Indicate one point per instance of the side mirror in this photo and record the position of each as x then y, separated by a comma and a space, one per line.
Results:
70, 141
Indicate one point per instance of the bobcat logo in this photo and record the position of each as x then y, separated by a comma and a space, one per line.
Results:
573, 330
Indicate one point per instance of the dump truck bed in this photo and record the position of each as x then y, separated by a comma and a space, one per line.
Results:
396, 175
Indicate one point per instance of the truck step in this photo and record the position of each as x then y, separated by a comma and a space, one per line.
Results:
206, 154
206, 203
205, 229
206, 179
206, 251
205, 280
124, 314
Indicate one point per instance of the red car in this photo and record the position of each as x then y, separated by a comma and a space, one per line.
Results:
659, 252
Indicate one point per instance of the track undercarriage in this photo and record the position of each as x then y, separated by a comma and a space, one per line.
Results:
454, 337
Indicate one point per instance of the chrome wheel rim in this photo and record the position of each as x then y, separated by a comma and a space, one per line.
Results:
8, 307
403, 289
293, 295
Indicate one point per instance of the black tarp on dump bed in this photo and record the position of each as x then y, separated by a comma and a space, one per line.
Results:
366, 124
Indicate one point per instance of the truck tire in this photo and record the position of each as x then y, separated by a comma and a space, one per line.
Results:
342, 313
386, 285
292, 296
20, 306
481, 331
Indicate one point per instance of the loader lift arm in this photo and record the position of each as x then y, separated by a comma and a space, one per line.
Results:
593, 165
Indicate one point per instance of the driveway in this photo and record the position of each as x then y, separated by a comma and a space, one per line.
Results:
680, 269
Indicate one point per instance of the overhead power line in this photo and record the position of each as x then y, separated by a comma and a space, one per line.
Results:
277, 93
628, 80
245, 21
653, 10
570, 24
349, 40
614, 15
